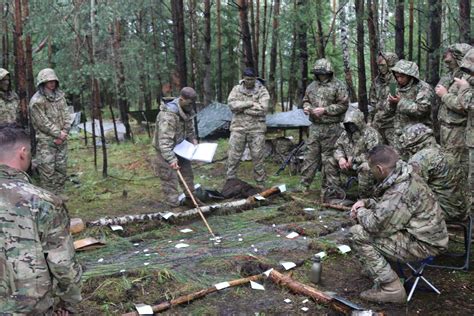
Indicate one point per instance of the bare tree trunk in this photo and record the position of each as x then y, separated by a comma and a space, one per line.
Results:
245, 31
264, 37
273, 57
177, 9
433, 39
292, 82
193, 27
219, 52
5, 40
373, 40
319, 31
254, 37
120, 73
20, 63
359, 10
28, 53
465, 21
257, 37
383, 24
399, 29
303, 52
207, 53
282, 77
410, 31
156, 61
420, 23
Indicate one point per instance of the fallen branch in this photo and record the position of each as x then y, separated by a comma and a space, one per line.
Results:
303, 289
190, 297
127, 219
326, 205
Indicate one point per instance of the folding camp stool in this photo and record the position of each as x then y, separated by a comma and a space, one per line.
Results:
467, 228
417, 269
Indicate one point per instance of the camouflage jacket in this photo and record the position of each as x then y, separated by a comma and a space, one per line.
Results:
331, 95
249, 108
405, 204
444, 177
381, 116
450, 110
415, 104
49, 115
359, 143
466, 97
172, 126
37, 258
9, 108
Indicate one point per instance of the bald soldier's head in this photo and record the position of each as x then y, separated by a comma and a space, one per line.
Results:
382, 160
186, 98
15, 148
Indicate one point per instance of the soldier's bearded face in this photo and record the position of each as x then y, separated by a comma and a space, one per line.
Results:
382, 65
5, 84
450, 61
50, 85
249, 82
402, 79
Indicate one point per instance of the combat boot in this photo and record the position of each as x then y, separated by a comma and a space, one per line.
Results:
391, 292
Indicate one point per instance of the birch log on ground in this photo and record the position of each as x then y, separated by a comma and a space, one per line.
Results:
127, 219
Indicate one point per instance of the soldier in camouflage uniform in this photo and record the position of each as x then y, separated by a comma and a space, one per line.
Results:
414, 98
174, 123
37, 259
404, 223
466, 99
451, 115
382, 116
248, 102
9, 108
439, 169
350, 150
51, 120
326, 101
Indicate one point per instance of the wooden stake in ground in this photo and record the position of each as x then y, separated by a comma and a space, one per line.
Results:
194, 201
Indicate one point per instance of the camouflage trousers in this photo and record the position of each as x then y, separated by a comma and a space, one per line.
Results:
388, 135
256, 143
373, 252
319, 151
51, 163
170, 180
363, 174
452, 140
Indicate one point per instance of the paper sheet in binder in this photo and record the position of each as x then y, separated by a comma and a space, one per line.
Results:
200, 152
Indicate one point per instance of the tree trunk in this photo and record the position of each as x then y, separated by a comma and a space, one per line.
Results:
362, 91
320, 46
420, 23
399, 29
120, 73
273, 57
465, 21
383, 24
219, 52
193, 55
177, 9
254, 37
410, 31
346, 56
5, 40
303, 51
20, 63
373, 40
292, 81
257, 37
433, 39
30, 84
245, 33
264, 38
156, 60
207, 53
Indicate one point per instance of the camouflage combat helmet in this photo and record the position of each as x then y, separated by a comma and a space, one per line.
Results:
323, 67
356, 117
408, 68
467, 64
390, 58
416, 134
46, 75
3, 73
458, 51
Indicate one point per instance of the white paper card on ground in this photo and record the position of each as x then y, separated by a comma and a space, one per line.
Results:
186, 230
288, 265
321, 254
116, 227
267, 273
344, 248
258, 197
305, 301
167, 215
201, 152
181, 245
256, 286
282, 188
304, 309
144, 309
308, 209
287, 301
292, 235
222, 285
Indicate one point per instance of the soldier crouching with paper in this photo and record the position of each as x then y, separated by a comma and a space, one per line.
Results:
174, 124
404, 223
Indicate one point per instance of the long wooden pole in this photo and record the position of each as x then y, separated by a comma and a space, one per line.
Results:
194, 201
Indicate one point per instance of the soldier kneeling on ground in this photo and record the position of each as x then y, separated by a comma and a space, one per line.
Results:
405, 223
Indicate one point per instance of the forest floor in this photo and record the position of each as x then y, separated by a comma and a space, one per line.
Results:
142, 265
